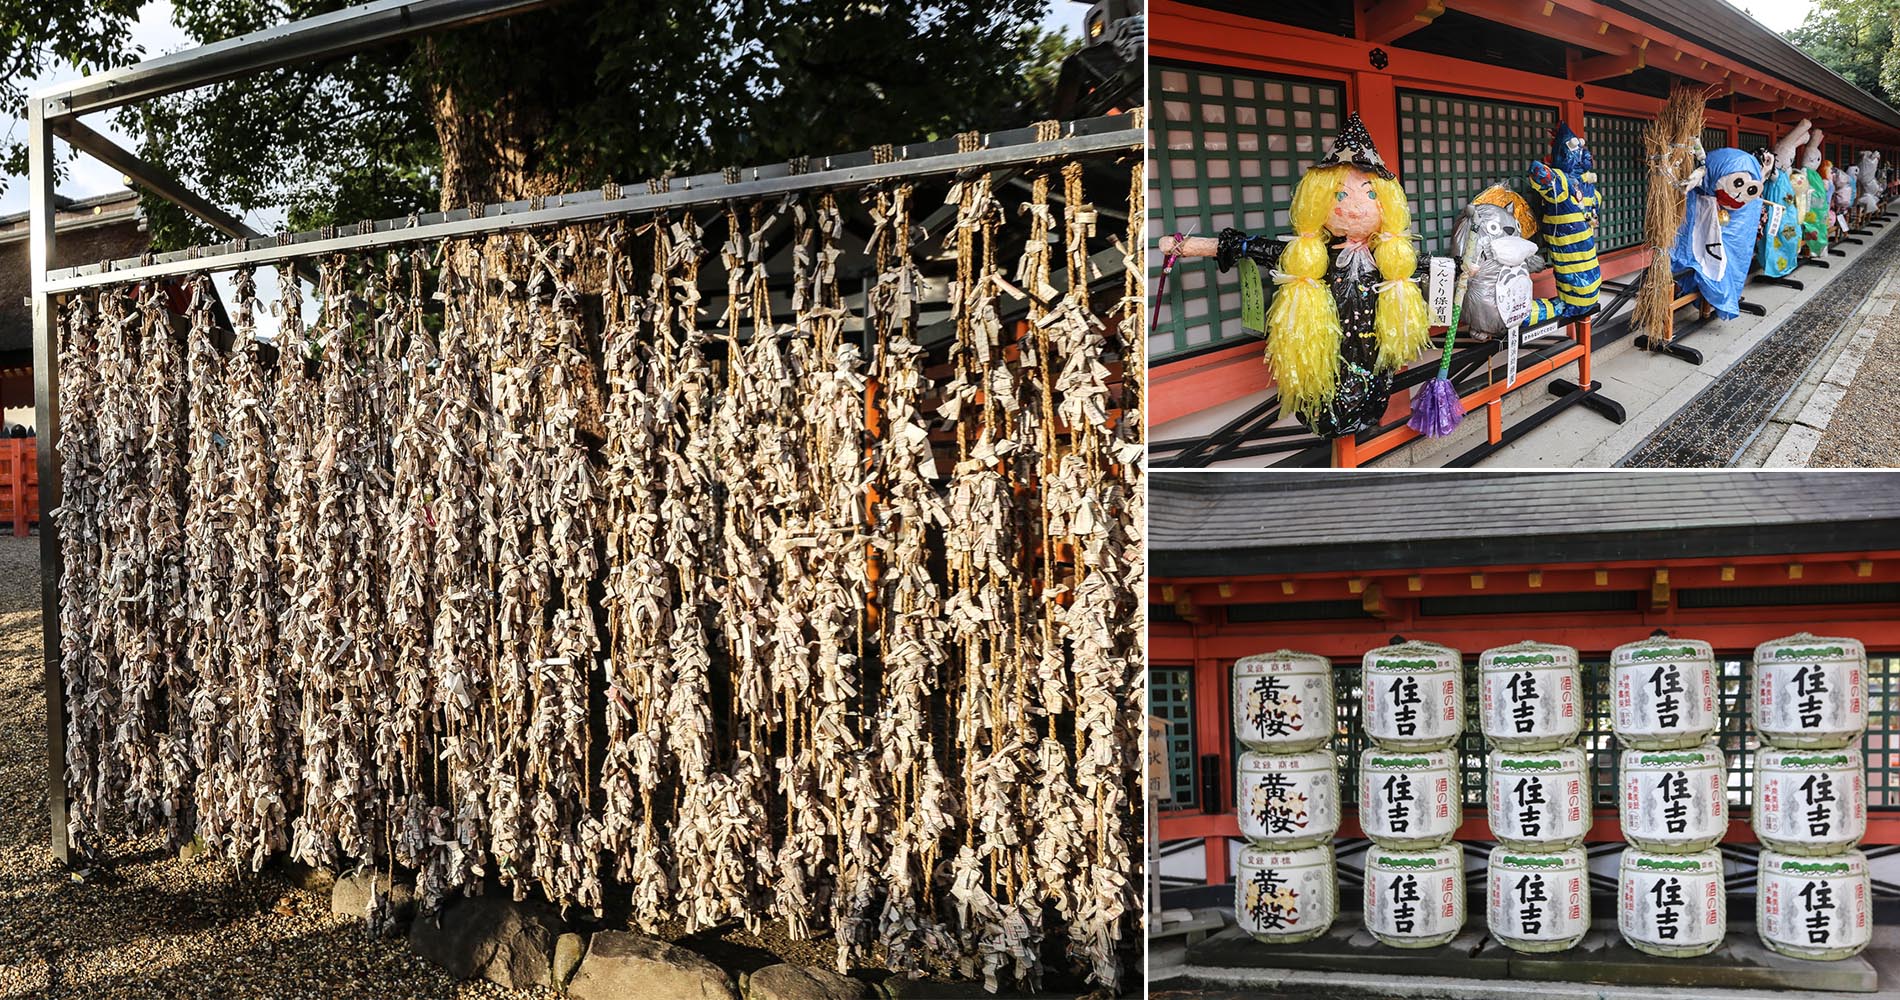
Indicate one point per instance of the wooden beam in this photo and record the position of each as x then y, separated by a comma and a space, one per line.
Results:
1391, 20
1556, 23
1757, 107
1604, 66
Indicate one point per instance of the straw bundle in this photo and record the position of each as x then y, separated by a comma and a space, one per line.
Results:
1669, 145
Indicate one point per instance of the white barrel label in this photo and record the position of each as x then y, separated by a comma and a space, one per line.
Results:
1538, 897
1408, 796
1285, 893
1529, 694
1288, 799
1810, 799
1417, 896
1814, 904
1810, 688
1538, 797
1283, 700
1415, 694
1673, 796
1672, 902
1664, 688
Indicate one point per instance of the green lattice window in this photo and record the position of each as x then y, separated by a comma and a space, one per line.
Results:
1883, 731
1616, 143
1714, 138
1227, 149
1752, 141
1171, 696
1451, 148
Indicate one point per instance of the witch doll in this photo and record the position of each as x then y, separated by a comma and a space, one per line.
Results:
1346, 312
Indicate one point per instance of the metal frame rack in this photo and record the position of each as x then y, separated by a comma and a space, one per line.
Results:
55, 111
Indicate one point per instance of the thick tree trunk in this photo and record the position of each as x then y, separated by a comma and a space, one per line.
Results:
490, 152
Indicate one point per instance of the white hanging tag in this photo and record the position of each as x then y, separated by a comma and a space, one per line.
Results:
1442, 278
1514, 300
1511, 347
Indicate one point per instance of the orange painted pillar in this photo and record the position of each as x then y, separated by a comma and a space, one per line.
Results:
1377, 101
1213, 737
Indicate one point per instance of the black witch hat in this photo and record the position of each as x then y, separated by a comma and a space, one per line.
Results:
1354, 145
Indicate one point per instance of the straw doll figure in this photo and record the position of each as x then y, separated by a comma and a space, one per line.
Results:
1347, 311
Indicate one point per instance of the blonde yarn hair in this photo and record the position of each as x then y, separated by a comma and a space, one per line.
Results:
1303, 324
1401, 323
1303, 331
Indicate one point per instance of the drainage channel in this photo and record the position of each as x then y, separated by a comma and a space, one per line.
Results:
1714, 427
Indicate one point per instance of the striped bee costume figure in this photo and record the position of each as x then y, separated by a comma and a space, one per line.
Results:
1567, 194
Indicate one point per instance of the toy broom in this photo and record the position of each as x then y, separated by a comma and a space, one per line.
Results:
1437, 410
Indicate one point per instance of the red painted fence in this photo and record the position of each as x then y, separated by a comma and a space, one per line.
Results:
19, 484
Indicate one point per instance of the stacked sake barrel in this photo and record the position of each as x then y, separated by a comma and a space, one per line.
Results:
1673, 800
1409, 798
1538, 880
1286, 887
1808, 702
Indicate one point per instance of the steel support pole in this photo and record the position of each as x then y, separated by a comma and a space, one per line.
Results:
40, 226
1109, 135
312, 39
160, 182
153, 179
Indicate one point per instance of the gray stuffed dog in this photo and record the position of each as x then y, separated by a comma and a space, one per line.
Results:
1493, 250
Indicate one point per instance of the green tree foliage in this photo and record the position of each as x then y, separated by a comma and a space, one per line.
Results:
1854, 38
567, 98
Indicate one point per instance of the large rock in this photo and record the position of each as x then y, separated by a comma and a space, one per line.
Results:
568, 950
622, 965
350, 898
793, 982
491, 937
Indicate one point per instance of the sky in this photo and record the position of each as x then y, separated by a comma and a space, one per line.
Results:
1781, 15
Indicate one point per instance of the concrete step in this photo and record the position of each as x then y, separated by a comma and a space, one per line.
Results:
1602, 957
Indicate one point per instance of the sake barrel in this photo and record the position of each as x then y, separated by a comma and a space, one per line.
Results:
1809, 692
1285, 897
1672, 905
1529, 696
1663, 693
1288, 800
1415, 696
1810, 801
1415, 899
1409, 801
1815, 908
1674, 801
1283, 702
1538, 901
1538, 801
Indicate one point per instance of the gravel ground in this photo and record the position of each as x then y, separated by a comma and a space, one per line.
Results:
1865, 430
144, 924
1711, 430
